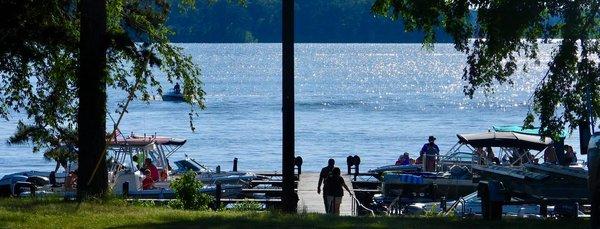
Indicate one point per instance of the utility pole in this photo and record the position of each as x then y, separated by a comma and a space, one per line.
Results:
91, 114
290, 198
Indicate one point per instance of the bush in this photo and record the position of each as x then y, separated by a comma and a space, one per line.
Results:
247, 206
187, 191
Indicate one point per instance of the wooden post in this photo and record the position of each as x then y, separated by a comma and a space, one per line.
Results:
544, 208
585, 133
289, 197
349, 161
218, 192
235, 163
125, 189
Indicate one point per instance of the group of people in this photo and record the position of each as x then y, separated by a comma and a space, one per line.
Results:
151, 174
567, 158
333, 187
487, 156
429, 152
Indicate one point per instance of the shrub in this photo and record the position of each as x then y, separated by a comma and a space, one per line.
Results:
187, 191
247, 206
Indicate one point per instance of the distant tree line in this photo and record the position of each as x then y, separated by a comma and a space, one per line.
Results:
333, 21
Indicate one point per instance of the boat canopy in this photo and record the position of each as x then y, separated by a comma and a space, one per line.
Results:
141, 141
519, 129
505, 139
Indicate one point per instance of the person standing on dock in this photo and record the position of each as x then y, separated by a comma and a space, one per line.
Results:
429, 152
325, 171
334, 192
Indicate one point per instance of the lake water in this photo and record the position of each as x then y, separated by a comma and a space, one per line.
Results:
373, 100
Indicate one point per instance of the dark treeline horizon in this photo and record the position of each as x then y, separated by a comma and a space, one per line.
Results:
316, 21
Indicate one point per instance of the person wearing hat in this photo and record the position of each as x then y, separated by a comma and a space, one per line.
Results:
429, 152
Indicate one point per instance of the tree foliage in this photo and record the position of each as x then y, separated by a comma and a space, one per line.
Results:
59, 144
39, 52
317, 21
505, 31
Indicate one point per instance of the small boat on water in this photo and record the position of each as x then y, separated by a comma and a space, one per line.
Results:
174, 95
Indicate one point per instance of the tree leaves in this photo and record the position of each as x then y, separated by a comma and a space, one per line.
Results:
504, 31
39, 51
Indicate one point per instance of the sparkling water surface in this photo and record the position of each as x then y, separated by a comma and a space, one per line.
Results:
373, 100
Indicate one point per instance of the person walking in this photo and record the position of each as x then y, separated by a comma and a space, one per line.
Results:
334, 191
325, 171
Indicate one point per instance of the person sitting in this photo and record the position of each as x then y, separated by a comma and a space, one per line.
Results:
480, 155
153, 170
491, 157
71, 180
403, 160
550, 155
570, 156
148, 182
177, 88
419, 160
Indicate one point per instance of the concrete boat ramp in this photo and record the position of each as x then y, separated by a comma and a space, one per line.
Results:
312, 202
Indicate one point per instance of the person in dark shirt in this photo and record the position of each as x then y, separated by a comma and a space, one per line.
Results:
570, 156
334, 191
325, 171
429, 152
177, 88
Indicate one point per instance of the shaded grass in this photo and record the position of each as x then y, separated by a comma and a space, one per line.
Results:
55, 213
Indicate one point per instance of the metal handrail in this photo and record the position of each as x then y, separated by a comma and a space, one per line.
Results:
454, 205
388, 212
355, 203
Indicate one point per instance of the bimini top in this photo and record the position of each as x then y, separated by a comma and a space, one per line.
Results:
521, 130
505, 139
135, 140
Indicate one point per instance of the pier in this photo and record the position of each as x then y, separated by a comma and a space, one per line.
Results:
312, 202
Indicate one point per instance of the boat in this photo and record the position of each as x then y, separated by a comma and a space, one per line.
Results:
173, 95
471, 206
455, 175
125, 176
208, 176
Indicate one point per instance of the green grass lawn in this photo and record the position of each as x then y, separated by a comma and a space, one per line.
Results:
54, 213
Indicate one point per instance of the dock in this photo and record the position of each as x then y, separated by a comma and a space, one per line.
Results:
312, 202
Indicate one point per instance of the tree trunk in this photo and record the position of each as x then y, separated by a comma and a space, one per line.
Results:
91, 117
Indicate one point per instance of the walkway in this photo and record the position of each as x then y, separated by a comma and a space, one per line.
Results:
311, 202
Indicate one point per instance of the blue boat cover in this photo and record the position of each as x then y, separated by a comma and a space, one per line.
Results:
521, 130
402, 179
